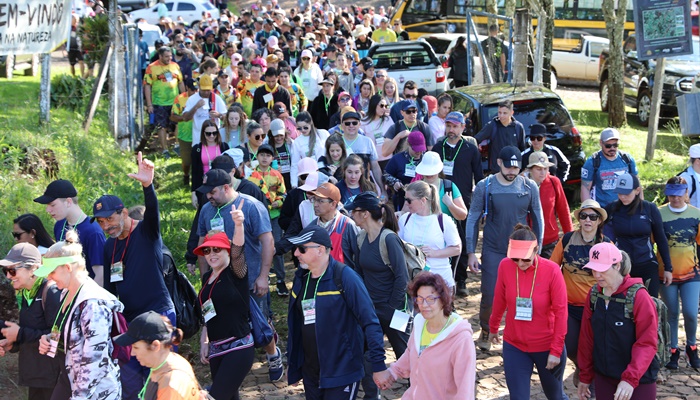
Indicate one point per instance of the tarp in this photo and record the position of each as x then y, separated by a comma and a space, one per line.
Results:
33, 26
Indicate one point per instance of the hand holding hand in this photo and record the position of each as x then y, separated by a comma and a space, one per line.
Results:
146, 171
237, 214
383, 379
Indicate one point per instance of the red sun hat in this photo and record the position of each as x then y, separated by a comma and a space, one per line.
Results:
219, 240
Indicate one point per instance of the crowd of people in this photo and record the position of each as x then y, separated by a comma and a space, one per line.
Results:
292, 144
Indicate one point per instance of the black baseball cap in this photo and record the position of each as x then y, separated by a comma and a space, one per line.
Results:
368, 201
58, 189
105, 206
266, 148
148, 326
223, 162
510, 156
351, 115
312, 234
214, 178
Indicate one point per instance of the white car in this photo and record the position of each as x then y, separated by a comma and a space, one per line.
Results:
580, 63
151, 33
190, 11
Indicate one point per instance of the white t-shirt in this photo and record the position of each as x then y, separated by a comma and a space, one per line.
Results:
300, 147
202, 114
425, 231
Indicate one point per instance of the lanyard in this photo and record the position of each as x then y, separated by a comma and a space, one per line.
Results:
142, 393
65, 313
308, 277
206, 149
461, 142
517, 281
327, 102
127, 243
406, 125
413, 161
65, 223
253, 156
349, 145
218, 209
210, 290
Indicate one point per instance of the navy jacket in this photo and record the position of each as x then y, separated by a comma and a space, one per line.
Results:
343, 321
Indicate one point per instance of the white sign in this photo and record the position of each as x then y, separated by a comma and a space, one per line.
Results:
33, 26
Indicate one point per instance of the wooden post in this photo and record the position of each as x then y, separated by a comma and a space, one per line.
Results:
520, 46
655, 107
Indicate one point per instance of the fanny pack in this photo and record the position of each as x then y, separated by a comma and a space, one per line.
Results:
221, 347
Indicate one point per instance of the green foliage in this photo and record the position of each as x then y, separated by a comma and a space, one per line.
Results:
94, 34
72, 92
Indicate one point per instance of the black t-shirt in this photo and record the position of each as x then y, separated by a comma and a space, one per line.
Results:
231, 302
284, 159
312, 366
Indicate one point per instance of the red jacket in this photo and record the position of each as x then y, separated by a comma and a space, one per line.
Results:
547, 329
554, 205
643, 349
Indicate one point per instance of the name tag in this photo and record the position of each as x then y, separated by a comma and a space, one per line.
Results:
116, 272
400, 321
53, 342
523, 309
208, 310
267, 98
285, 167
293, 61
448, 167
168, 76
308, 307
379, 139
410, 171
217, 224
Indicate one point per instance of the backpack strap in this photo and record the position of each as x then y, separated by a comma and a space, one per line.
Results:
629, 299
44, 292
442, 224
383, 250
565, 240
338, 277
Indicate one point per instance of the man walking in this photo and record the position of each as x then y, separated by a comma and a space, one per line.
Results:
331, 317
503, 199
162, 82
503, 130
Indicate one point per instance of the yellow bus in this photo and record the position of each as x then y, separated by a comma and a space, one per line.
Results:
572, 18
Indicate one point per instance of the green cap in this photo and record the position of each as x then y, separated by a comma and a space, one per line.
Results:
48, 265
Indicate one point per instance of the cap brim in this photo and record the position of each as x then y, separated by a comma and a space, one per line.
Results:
204, 189
419, 148
427, 171
44, 270
676, 192
7, 263
622, 191
521, 248
124, 339
511, 164
308, 188
44, 199
598, 266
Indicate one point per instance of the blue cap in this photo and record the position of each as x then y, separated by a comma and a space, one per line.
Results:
408, 104
455, 117
105, 206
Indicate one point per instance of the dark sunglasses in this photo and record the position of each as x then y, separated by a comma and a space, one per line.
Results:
305, 58
383, 106
211, 133
525, 260
411, 111
302, 249
208, 250
592, 217
610, 146
410, 96
18, 235
304, 127
11, 271
258, 137
537, 138
351, 123
409, 200
380, 76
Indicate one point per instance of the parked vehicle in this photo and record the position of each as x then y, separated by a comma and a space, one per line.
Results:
151, 33
443, 43
579, 65
639, 79
411, 61
27, 63
131, 5
531, 104
190, 11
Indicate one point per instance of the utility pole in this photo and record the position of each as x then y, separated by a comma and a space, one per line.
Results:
520, 46
117, 80
655, 107
45, 92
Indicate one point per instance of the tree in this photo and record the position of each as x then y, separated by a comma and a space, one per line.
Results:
615, 18
548, 7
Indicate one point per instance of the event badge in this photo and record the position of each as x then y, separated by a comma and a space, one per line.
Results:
208, 310
116, 272
320, 164
254, 164
400, 321
267, 98
379, 139
217, 224
448, 167
410, 171
53, 342
523, 309
284, 166
308, 307
292, 62
168, 76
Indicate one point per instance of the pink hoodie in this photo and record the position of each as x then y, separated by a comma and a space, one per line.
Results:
445, 370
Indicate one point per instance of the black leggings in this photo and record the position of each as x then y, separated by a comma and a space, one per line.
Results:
228, 372
649, 272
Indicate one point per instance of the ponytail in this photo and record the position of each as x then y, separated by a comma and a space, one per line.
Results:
390, 221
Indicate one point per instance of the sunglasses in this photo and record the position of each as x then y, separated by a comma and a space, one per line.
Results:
380, 76
591, 217
430, 300
258, 137
525, 260
351, 123
208, 250
302, 249
537, 138
18, 235
11, 271
344, 99
411, 111
305, 58
610, 146
210, 133
410, 200
383, 106
410, 96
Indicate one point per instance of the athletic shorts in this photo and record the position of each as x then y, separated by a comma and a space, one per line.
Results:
74, 56
162, 116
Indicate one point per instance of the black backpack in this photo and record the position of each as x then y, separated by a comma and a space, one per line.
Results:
188, 311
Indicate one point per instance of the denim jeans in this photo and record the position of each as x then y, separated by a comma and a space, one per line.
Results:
689, 294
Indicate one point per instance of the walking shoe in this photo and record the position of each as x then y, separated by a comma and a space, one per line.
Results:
692, 353
462, 289
483, 342
165, 154
282, 290
276, 368
673, 362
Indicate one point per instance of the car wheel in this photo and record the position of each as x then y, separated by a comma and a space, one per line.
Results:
644, 107
604, 95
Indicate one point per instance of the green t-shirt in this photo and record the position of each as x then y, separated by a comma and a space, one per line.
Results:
455, 195
184, 129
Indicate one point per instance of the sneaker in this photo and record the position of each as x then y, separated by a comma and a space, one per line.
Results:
165, 154
673, 362
276, 368
282, 290
483, 343
692, 353
462, 289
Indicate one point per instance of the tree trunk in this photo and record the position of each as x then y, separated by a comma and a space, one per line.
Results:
548, 7
492, 8
614, 24
509, 11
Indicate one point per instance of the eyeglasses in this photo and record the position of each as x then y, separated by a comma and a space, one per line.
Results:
525, 260
18, 235
320, 200
411, 111
410, 96
344, 99
304, 127
351, 123
610, 146
258, 137
302, 249
383, 106
305, 58
211, 133
537, 138
208, 250
409, 200
430, 300
591, 217
12, 271
380, 76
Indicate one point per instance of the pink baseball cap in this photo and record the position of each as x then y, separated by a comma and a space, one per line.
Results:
603, 256
306, 165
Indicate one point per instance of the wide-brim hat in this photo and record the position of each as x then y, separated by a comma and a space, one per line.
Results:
593, 205
359, 31
430, 165
219, 240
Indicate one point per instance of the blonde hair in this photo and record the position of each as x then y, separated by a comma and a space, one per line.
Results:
70, 246
425, 190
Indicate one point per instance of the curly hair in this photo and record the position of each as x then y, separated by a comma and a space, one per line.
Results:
438, 283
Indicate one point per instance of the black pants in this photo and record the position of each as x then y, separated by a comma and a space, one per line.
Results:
62, 391
40, 393
399, 343
228, 372
649, 272
459, 264
313, 392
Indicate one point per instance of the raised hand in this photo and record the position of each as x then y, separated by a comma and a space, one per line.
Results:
237, 214
146, 171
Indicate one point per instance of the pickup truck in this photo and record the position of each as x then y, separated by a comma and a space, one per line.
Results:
639, 80
412, 60
579, 64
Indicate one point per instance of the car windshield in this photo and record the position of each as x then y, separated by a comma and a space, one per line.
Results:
394, 59
440, 46
550, 112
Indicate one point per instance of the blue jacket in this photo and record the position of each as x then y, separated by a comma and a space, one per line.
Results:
343, 321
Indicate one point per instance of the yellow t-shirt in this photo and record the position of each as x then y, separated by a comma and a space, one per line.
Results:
426, 338
383, 36
230, 96
224, 61
164, 81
